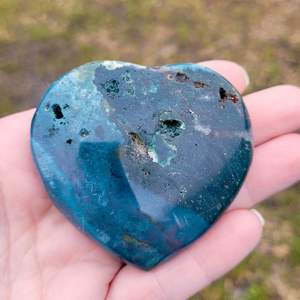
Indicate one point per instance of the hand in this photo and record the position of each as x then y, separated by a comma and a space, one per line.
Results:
44, 257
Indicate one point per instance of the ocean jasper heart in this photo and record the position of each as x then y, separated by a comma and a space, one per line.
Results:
142, 160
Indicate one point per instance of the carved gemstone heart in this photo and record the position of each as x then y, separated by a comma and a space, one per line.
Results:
142, 160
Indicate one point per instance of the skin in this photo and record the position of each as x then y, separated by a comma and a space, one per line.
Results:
44, 257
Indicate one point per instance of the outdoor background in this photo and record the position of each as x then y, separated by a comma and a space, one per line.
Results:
42, 40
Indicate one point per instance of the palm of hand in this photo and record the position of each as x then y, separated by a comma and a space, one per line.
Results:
44, 257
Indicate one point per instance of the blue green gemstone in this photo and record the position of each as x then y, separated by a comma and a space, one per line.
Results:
142, 160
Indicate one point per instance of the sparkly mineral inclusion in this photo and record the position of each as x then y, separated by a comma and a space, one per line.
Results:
142, 160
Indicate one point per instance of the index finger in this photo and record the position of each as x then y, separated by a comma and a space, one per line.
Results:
233, 72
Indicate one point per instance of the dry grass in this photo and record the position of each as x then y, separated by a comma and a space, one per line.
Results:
42, 40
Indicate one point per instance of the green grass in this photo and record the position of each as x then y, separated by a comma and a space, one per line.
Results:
42, 40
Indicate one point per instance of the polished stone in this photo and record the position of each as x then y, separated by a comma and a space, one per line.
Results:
142, 160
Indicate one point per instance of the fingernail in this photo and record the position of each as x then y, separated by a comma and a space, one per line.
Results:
247, 78
261, 218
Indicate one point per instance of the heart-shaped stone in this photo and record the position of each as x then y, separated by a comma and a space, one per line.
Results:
142, 160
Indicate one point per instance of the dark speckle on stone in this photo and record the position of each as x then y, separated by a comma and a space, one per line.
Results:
53, 131
66, 106
199, 85
57, 111
84, 132
47, 107
130, 91
111, 86
69, 141
146, 172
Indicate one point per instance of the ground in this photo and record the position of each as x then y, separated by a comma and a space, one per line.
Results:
42, 40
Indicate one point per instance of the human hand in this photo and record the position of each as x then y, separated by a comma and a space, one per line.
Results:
44, 257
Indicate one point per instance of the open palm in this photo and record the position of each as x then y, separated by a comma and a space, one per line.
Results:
44, 257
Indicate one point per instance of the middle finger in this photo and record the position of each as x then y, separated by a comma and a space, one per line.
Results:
273, 112
275, 166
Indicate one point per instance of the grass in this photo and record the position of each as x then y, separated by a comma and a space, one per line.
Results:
42, 40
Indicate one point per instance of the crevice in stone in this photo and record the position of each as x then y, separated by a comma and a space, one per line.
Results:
171, 127
57, 111
181, 77
138, 143
129, 239
200, 85
84, 132
225, 96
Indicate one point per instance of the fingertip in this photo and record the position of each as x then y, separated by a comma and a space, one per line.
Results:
246, 75
259, 216
244, 224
